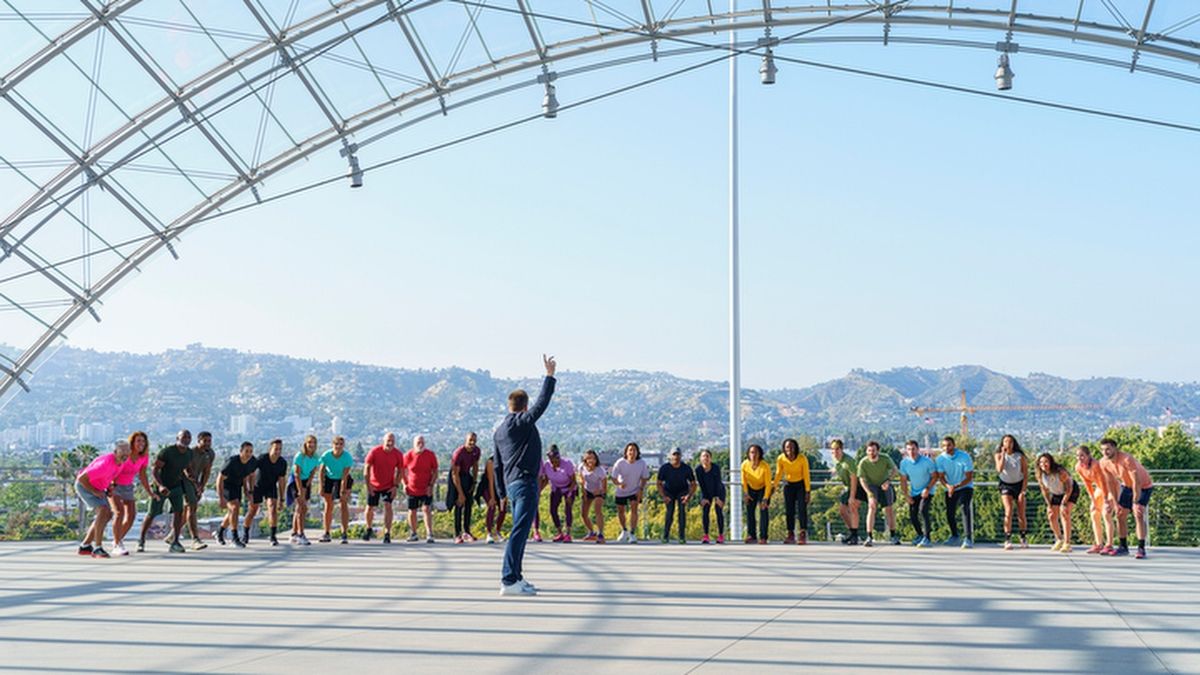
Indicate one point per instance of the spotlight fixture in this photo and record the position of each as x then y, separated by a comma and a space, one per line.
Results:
356, 172
767, 70
549, 103
1004, 74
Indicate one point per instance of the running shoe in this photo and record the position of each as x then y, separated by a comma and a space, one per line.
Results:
803, 539
852, 540
566, 538
177, 547
325, 538
666, 540
623, 537
1008, 544
490, 538
791, 539
870, 541
923, 542
590, 536
558, 538
470, 538
1122, 550
141, 547
99, 552
633, 538
458, 539
762, 542
238, 542
1024, 541
198, 545
1065, 548
429, 539
274, 541
682, 540
1108, 550
528, 586
85, 549
537, 536
1140, 555
120, 550
720, 539
704, 539
367, 534
954, 541
516, 590
600, 538
750, 540
895, 539
1057, 544
294, 539
967, 543
345, 540
1095, 548
304, 540
413, 537
387, 537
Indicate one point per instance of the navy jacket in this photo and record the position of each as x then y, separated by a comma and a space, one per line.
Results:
518, 444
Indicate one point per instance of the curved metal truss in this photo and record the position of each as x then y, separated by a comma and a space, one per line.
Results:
124, 123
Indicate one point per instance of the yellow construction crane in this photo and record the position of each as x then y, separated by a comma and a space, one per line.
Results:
963, 409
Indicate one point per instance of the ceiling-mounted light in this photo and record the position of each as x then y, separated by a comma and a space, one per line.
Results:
356, 172
549, 103
767, 70
1004, 74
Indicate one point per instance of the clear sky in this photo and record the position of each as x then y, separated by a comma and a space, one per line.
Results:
884, 225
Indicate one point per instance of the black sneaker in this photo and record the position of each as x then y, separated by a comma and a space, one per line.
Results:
367, 534
238, 542
895, 540
274, 541
99, 552
220, 539
325, 538
387, 537
345, 540
85, 549
852, 540
141, 547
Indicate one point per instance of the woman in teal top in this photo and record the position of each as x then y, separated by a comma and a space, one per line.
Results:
305, 463
336, 484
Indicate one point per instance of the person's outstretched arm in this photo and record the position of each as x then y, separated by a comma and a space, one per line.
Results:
543, 399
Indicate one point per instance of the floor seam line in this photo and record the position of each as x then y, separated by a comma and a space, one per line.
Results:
1125, 621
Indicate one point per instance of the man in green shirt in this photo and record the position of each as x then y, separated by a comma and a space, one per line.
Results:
845, 469
875, 473
199, 469
172, 482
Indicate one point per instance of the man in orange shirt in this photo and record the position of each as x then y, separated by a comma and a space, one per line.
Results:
1096, 484
1125, 472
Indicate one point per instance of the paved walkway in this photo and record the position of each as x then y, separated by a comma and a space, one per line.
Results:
613, 608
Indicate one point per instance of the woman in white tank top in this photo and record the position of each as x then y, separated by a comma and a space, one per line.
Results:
1013, 469
1060, 492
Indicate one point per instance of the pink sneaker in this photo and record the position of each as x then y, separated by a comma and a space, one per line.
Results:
704, 539
591, 536
559, 538
1096, 548
1108, 550
537, 536
459, 539
720, 539
566, 539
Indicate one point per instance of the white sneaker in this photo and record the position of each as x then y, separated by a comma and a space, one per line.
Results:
120, 549
632, 538
304, 540
623, 537
294, 539
490, 538
517, 589
528, 586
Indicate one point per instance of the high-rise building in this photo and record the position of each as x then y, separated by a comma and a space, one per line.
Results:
70, 425
47, 433
243, 426
335, 425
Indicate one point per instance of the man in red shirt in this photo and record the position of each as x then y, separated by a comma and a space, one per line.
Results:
420, 473
382, 469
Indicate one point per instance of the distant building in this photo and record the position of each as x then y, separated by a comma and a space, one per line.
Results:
47, 433
243, 425
335, 426
70, 425
99, 434
298, 423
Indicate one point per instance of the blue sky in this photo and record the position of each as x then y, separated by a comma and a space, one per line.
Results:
884, 225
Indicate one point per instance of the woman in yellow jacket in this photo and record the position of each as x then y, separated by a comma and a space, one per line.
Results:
792, 471
756, 492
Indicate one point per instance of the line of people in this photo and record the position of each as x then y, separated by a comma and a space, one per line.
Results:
1116, 482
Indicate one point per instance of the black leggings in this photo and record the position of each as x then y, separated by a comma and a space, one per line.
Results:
962, 497
756, 518
794, 495
720, 518
672, 502
918, 511
462, 514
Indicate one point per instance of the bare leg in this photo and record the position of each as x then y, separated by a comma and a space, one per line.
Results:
327, 516
1054, 518
1021, 518
1066, 521
387, 517
427, 512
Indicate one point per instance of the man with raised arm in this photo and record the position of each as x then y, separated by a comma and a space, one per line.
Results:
518, 458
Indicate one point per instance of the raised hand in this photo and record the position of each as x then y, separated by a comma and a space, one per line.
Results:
551, 366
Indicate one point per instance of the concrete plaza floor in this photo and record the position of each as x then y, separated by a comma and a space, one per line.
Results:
612, 608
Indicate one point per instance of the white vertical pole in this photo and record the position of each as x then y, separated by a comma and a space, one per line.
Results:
735, 342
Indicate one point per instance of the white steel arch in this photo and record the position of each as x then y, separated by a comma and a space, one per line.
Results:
315, 76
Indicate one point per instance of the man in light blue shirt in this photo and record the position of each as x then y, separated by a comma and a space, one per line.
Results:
956, 470
918, 474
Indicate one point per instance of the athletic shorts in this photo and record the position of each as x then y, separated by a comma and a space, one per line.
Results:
885, 495
330, 487
233, 491
1125, 500
374, 497
262, 492
174, 498
123, 491
589, 496
1057, 500
1011, 489
624, 501
860, 495
419, 501
88, 498
189, 493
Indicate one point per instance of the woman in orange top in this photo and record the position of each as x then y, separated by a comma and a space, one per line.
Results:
1096, 485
